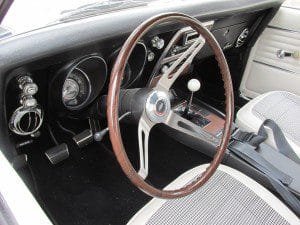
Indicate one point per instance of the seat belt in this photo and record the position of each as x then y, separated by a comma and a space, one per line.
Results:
249, 154
276, 178
256, 139
281, 143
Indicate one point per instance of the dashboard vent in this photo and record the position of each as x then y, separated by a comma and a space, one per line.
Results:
28, 117
242, 38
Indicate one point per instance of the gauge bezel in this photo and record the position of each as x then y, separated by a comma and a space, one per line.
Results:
136, 70
94, 67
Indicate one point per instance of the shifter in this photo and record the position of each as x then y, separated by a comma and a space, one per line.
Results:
193, 86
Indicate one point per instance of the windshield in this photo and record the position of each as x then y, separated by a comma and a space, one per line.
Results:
26, 15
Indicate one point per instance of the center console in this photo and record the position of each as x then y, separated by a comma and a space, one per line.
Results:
202, 125
203, 116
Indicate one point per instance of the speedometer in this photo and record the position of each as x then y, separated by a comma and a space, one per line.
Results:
76, 89
70, 90
77, 85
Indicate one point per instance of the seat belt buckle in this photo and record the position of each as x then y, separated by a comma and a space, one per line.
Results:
249, 137
243, 136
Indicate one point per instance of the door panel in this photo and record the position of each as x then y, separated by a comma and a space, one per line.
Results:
265, 71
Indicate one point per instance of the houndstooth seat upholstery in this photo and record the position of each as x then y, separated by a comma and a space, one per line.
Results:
280, 106
229, 197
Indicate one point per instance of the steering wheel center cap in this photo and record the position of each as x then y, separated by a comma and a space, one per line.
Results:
158, 106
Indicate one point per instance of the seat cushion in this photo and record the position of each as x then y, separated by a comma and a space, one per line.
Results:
280, 106
229, 197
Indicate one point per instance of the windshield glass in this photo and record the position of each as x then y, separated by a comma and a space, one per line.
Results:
26, 15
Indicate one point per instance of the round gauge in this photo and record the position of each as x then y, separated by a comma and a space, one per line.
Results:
76, 89
77, 85
70, 90
135, 65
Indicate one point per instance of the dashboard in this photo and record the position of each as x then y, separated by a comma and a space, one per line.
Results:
75, 84
67, 76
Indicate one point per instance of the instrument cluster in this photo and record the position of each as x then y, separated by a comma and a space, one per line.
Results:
77, 84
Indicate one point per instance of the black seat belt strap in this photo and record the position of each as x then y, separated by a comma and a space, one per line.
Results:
286, 195
275, 176
249, 154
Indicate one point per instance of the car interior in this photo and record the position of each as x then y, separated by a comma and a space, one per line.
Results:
162, 113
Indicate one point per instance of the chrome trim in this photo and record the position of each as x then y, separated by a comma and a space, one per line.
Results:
158, 106
244, 97
138, 75
144, 128
275, 67
168, 77
20, 113
283, 29
76, 66
164, 58
281, 54
29, 107
290, 7
189, 31
242, 38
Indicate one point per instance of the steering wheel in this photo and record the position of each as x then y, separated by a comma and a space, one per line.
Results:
157, 107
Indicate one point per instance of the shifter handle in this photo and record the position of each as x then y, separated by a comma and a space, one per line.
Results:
194, 85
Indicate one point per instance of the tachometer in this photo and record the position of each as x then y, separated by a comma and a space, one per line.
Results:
135, 65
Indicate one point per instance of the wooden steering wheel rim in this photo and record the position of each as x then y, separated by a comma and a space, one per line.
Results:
113, 104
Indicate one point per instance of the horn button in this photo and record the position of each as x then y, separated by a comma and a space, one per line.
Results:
158, 106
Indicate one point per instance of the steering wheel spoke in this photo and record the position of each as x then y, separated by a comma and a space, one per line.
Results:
173, 72
144, 128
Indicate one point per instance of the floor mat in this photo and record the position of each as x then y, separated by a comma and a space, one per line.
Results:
90, 188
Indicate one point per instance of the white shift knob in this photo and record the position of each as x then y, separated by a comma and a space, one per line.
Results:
194, 85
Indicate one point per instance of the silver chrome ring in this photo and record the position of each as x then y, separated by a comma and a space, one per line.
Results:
158, 106
18, 115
